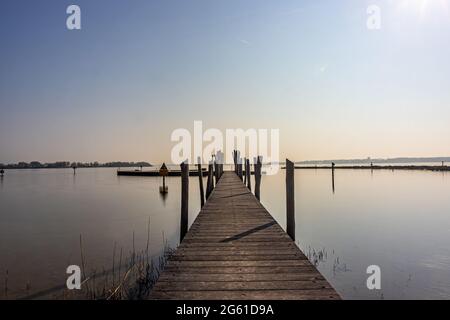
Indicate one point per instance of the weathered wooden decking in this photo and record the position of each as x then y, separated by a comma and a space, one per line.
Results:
236, 250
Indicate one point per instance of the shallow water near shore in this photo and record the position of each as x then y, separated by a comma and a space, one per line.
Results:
397, 220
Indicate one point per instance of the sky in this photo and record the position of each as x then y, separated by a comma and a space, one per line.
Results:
137, 70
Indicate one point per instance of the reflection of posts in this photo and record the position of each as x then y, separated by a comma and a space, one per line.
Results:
290, 200
332, 181
163, 171
184, 199
332, 176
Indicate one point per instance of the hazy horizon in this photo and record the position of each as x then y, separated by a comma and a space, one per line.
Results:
412, 159
139, 70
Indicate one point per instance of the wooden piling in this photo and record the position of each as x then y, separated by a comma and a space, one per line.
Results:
216, 171
200, 181
240, 170
258, 166
184, 199
290, 200
209, 182
245, 172
248, 173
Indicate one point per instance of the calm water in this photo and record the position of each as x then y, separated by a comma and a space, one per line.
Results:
398, 220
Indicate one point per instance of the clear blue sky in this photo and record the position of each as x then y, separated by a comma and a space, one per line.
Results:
139, 69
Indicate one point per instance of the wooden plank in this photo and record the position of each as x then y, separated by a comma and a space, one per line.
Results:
236, 250
321, 294
241, 285
192, 277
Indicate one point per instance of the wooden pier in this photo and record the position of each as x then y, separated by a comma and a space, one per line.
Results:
235, 250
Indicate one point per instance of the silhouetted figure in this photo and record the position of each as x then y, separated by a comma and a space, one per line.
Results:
74, 167
2, 172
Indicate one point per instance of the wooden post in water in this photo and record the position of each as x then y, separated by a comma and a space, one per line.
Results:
184, 199
209, 183
240, 168
332, 177
245, 171
290, 200
258, 165
248, 172
200, 181
220, 158
216, 170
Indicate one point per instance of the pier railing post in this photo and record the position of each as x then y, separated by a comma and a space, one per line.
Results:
245, 171
240, 169
258, 166
290, 199
210, 182
248, 172
216, 171
200, 181
184, 199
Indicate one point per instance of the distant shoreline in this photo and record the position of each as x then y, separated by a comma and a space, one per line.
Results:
398, 160
376, 167
70, 165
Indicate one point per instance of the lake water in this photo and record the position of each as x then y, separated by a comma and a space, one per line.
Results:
398, 220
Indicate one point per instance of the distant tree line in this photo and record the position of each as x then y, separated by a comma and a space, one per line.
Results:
68, 164
377, 161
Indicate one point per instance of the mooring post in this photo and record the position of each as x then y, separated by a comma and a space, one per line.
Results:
332, 176
248, 172
290, 200
216, 171
235, 161
209, 183
200, 181
184, 199
245, 171
258, 164
220, 159
240, 169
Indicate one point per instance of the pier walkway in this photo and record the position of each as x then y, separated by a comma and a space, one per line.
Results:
235, 250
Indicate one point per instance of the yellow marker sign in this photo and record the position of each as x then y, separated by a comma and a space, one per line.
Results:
163, 171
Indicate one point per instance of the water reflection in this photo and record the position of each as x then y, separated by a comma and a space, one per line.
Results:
398, 221
332, 181
43, 213
163, 197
